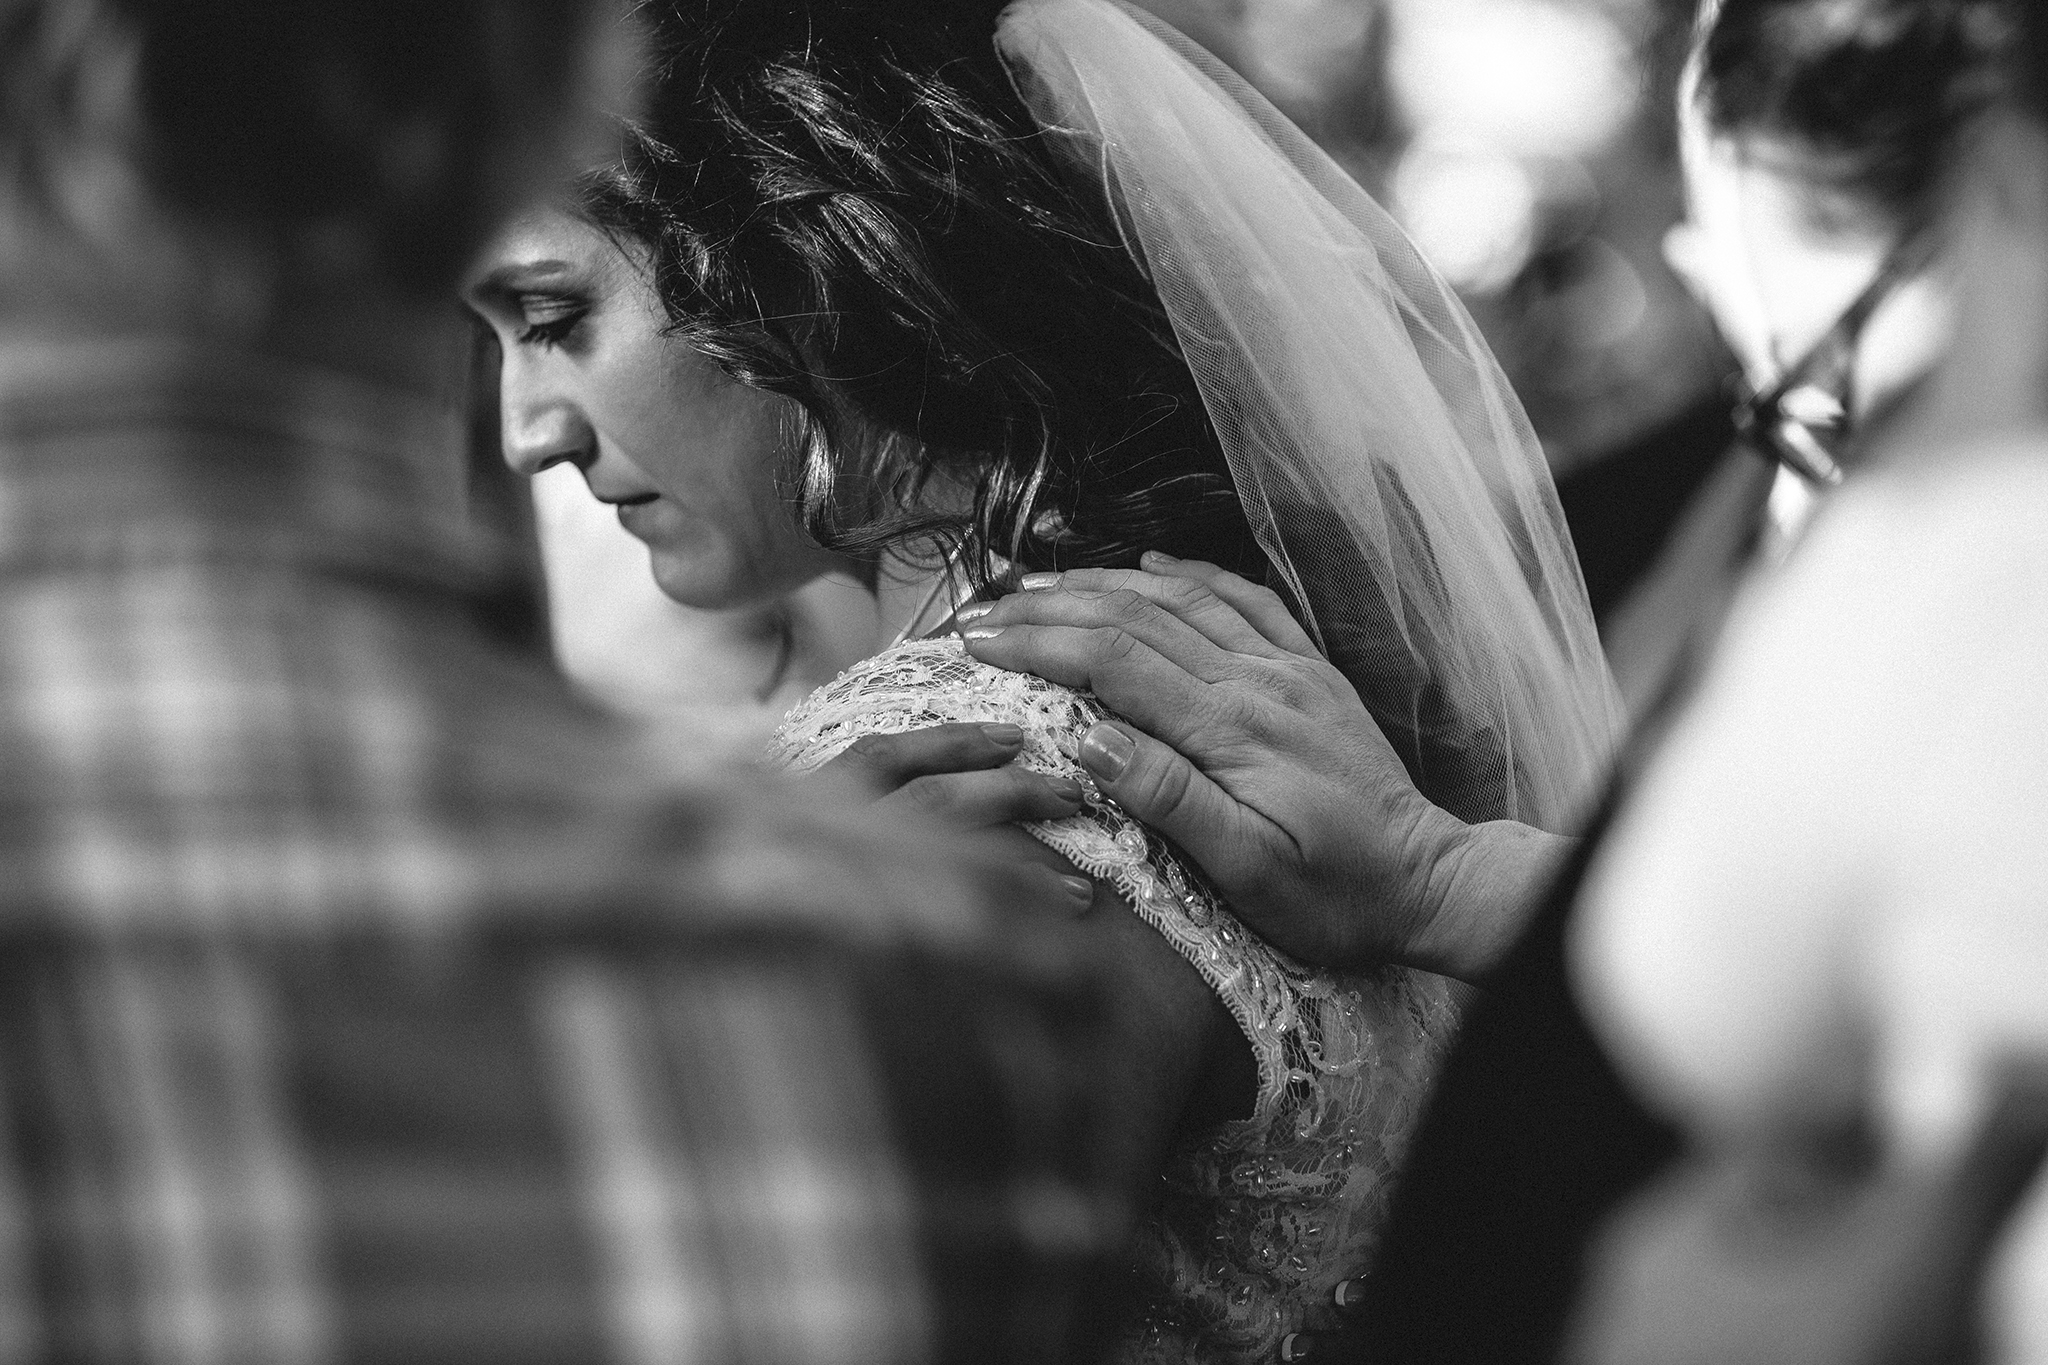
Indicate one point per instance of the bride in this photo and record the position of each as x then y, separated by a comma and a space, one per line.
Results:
941, 293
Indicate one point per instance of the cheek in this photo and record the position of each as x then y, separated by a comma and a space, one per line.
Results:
750, 440
742, 530
765, 470
728, 465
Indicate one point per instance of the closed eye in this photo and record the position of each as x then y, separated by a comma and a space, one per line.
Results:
550, 319
550, 332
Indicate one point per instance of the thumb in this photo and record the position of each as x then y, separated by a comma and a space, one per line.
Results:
1160, 788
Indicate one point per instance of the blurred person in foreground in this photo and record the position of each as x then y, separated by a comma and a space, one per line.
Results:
1819, 936
362, 994
1817, 133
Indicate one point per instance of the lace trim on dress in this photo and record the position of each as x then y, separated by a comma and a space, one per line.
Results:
1259, 1218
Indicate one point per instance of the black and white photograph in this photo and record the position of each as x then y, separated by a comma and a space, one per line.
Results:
1023, 682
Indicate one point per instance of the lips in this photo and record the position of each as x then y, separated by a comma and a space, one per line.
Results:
640, 516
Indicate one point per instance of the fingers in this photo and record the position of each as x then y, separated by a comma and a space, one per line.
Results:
1026, 882
883, 763
1265, 610
1160, 788
1231, 614
1130, 677
979, 800
1177, 619
1034, 891
1145, 643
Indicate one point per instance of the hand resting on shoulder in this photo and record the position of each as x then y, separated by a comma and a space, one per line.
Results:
1254, 754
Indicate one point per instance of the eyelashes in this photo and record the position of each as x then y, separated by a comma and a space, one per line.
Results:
550, 331
549, 319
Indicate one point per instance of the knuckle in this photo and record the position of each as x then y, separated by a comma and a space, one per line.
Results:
1126, 605
1187, 594
1030, 798
1292, 690
929, 796
1237, 711
1166, 788
1284, 684
1111, 645
1271, 729
1014, 784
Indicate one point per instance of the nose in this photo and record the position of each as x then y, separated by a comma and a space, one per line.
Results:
541, 430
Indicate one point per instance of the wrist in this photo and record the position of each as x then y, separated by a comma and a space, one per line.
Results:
1481, 885
1432, 845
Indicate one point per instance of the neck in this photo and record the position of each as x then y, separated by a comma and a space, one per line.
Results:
913, 600
837, 620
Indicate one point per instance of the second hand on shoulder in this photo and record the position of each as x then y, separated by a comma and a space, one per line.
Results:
1255, 754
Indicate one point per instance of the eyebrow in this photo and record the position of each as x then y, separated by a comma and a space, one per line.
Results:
514, 276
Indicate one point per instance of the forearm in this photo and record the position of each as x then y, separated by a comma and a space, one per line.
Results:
1483, 886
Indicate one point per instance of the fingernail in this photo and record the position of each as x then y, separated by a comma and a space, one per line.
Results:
1349, 1294
1106, 751
1080, 890
1009, 736
1296, 1346
1157, 557
1065, 788
1038, 582
974, 611
981, 633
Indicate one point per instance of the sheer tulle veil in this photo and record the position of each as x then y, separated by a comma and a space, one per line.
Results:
1388, 470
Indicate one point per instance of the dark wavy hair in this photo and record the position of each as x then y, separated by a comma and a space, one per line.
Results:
1877, 89
845, 202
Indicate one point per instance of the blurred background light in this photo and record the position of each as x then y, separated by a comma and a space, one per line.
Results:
1608, 303
1533, 77
1294, 50
1471, 208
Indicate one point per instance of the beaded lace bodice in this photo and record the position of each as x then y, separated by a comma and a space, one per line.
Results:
1259, 1218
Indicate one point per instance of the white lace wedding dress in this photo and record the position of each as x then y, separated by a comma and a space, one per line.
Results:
1257, 1220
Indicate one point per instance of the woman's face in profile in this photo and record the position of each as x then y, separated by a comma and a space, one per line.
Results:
687, 455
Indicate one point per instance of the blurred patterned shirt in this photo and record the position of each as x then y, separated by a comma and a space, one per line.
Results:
366, 996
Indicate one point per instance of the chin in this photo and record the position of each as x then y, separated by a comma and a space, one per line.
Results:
713, 582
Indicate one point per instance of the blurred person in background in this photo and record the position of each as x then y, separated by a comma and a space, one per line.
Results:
935, 294
1812, 139
366, 995
1818, 938
1817, 137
